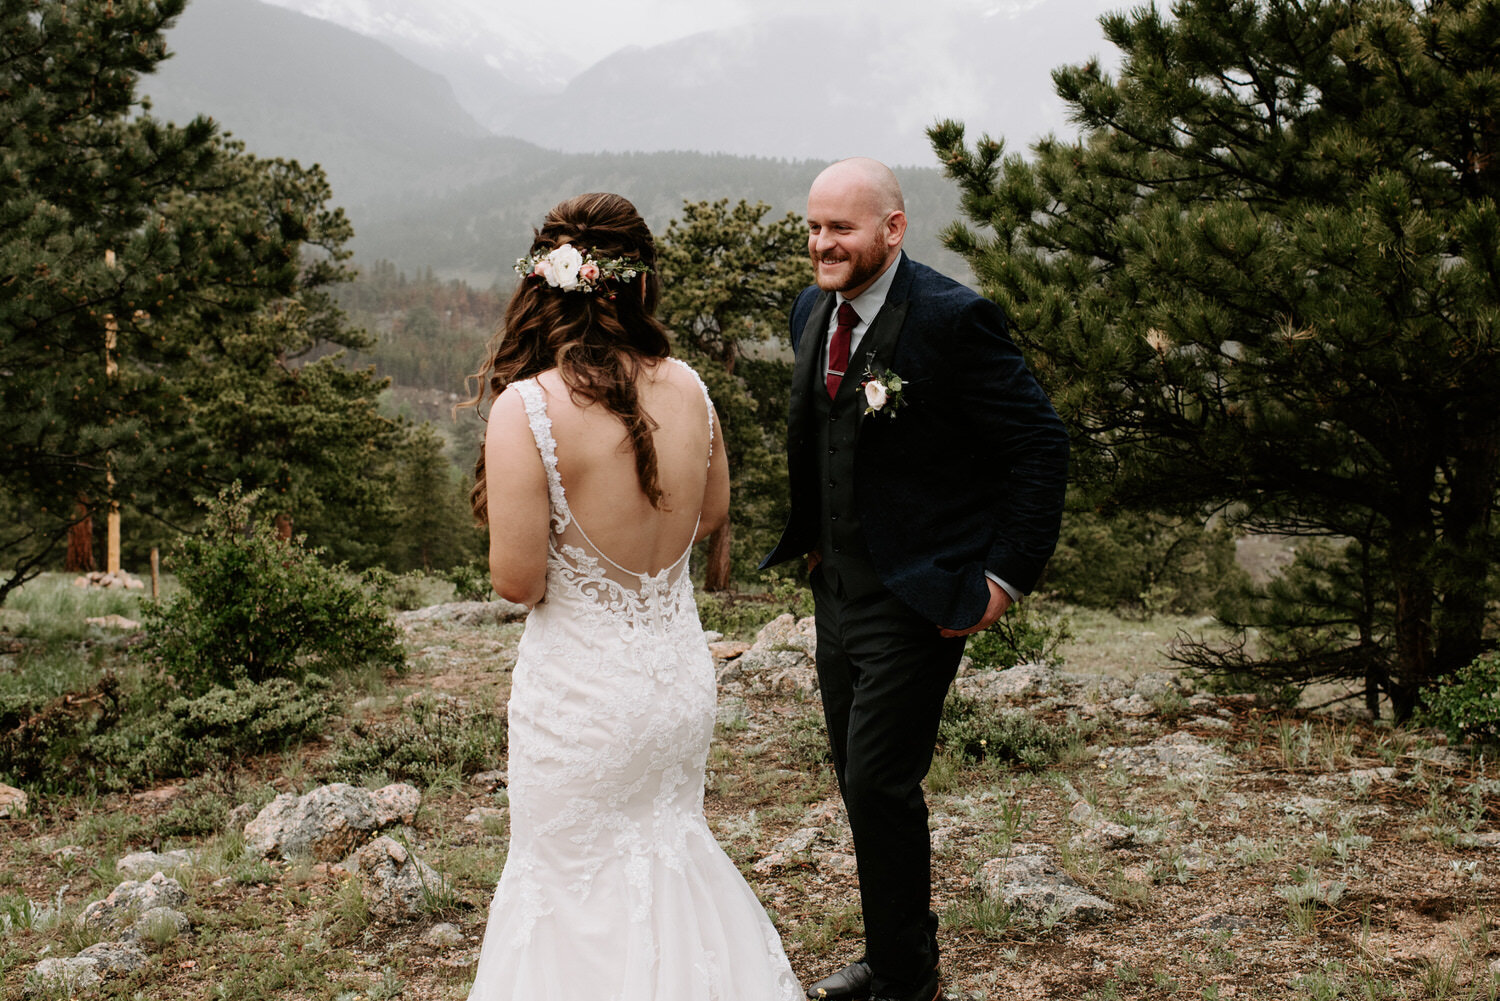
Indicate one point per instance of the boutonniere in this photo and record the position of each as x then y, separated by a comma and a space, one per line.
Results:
882, 391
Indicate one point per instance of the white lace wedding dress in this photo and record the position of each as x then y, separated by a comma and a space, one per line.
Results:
614, 888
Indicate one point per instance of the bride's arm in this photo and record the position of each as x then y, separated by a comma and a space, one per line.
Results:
516, 488
716, 492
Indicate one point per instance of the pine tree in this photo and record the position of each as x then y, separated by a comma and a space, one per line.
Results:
728, 281
210, 265
1266, 281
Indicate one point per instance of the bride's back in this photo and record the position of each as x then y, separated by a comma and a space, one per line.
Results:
597, 466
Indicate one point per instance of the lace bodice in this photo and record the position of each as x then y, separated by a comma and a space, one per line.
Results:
578, 572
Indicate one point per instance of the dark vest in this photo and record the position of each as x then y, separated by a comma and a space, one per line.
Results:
846, 559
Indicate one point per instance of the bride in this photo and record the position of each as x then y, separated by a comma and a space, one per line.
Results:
602, 465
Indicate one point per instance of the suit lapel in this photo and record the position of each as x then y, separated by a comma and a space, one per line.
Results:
878, 346
805, 368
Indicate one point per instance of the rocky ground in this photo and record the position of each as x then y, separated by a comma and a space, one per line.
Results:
1154, 843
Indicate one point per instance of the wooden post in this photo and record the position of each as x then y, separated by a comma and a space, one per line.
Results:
111, 369
155, 574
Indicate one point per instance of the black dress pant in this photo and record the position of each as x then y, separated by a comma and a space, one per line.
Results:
884, 672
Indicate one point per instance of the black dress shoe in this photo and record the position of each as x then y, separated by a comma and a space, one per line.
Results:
852, 983
927, 991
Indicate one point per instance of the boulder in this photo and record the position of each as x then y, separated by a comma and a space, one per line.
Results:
396, 802
114, 959
1028, 680
12, 801
441, 936
327, 823
140, 865
64, 977
159, 925
396, 885
787, 632
1037, 892
131, 899
1179, 754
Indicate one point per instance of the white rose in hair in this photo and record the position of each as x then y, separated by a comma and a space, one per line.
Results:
566, 260
875, 394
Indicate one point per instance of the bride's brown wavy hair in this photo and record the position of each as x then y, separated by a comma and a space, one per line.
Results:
596, 340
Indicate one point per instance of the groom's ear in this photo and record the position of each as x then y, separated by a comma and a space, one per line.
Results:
894, 228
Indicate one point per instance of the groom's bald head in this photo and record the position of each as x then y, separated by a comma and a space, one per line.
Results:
856, 220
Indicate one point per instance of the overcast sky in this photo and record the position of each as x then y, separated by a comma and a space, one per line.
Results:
592, 29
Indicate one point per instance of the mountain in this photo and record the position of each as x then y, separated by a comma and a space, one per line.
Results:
294, 86
423, 184
493, 61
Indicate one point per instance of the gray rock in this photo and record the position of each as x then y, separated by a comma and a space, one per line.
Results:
131, 899
786, 632
12, 801
1136, 705
63, 976
1156, 684
158, 924
327, 823
396, 802
139, 865
1211, 722
1014, 682
1037, 892
1178, 753
114, 959
490, 780
799, 841
732, 711
1098, 831
442, 936
397, 886
760, 663
464, 613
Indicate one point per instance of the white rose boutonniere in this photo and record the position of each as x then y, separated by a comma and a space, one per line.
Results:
882, 392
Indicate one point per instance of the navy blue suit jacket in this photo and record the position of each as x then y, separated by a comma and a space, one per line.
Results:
968, 476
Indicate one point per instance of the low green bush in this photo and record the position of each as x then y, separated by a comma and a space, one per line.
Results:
252, 606
218, 729
979, 730
433, 741
471, 581
1466, 705
104, 738
1028, 633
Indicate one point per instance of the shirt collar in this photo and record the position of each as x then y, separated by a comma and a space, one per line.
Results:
868, 302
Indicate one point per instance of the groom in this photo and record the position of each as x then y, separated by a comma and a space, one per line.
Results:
923, 513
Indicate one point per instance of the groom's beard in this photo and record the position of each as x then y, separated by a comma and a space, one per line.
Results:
863, 265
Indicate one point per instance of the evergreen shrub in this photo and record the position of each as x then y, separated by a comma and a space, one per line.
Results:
434, 741
252, 606
978, 730
1467, 706
1026, 634
215, 730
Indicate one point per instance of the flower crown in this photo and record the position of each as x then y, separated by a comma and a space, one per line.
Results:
572, 270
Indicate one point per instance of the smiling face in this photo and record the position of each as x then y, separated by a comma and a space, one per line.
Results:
855, 224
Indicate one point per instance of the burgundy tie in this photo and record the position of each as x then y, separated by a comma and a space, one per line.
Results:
838, 347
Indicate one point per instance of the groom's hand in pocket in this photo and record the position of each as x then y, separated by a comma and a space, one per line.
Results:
999, 602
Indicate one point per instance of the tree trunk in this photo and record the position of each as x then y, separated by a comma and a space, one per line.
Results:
1411, 553
1463, 563
80, 555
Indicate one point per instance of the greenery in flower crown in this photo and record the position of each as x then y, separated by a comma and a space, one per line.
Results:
573, 270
